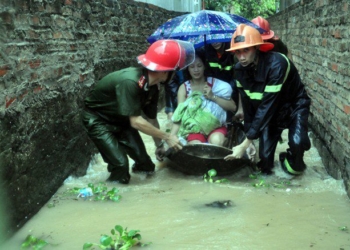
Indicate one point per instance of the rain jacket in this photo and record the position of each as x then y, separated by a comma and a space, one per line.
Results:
271, 91
220, 67
279, 46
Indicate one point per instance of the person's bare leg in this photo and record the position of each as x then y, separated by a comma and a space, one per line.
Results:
217, 138
194, 142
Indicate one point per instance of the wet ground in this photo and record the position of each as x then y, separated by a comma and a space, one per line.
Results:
176, 211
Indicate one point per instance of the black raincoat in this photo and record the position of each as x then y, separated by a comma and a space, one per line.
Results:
274, 99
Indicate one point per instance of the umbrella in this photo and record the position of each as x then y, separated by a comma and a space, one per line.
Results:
201, 27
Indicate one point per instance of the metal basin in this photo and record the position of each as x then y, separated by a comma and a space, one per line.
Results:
197, 159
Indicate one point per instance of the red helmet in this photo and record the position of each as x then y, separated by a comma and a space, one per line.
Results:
264, 24
246, 36
167, 55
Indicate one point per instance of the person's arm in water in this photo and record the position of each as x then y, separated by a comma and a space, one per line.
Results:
141, 124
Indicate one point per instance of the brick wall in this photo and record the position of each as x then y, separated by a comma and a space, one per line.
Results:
54, 50
51, 54
318, 34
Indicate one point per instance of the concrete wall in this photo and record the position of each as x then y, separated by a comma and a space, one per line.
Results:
53, 51
318, 34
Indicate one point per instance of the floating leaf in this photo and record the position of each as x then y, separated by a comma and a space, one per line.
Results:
132, 233
119, 229
253, 176
137, 236
222, 181
124, 241
116, 198
33, 242
40, 244
106, 240
87, 245
212, 172
25, 244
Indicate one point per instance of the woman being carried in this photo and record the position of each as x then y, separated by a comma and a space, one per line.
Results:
202, 104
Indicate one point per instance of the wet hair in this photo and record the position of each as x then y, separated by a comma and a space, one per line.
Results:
201, 55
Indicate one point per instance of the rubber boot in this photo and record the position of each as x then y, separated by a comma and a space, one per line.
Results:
119, 177
142, 168
287, 163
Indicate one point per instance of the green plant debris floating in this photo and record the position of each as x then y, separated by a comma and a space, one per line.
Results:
209, 177
34, 243
120, 239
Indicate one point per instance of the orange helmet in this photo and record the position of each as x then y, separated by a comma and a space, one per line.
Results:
246, 36
264, 24
167, 55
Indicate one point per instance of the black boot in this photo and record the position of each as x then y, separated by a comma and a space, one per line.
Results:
116, 176
137, 168
287, 163
263, 169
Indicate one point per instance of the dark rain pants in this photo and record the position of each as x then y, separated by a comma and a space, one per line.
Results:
115, 142
298, 139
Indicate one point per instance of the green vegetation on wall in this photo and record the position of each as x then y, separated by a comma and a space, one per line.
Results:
246, 8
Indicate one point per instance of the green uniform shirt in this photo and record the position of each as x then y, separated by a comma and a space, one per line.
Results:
122, 94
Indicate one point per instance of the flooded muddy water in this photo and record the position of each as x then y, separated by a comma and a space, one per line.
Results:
275, 212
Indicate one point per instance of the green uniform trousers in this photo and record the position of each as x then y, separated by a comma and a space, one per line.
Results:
115, 142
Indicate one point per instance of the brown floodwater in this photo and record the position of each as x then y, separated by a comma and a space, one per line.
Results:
306, 212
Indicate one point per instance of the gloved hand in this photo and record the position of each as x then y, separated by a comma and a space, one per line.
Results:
251, 152
237, 153
239, 150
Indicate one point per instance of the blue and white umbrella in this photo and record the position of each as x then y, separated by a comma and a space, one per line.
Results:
201, 27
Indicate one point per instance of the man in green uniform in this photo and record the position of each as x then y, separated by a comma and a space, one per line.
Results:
125, 102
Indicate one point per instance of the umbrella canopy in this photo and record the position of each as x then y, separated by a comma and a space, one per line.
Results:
205, 26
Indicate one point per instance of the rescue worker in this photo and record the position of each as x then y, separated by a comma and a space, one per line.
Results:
273, 99
125, 102
220, 63
269, 36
